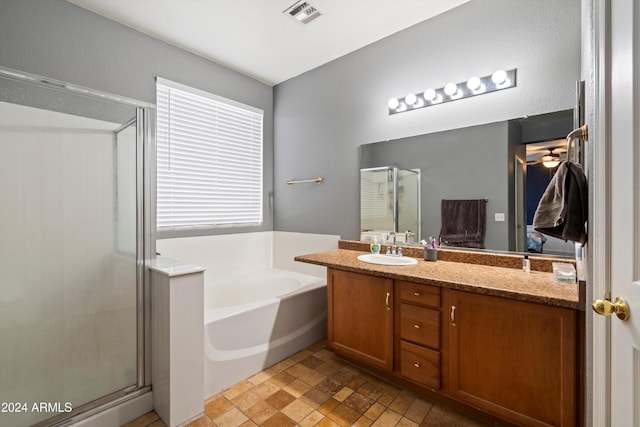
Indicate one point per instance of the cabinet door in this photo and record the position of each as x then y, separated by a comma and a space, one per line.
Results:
360, 317
513, 358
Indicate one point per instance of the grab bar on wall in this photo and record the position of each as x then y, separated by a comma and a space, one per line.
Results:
318, 180
581, 133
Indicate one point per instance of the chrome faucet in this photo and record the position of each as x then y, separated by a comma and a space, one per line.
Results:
393, 247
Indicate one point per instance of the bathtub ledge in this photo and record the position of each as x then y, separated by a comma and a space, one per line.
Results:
173, 268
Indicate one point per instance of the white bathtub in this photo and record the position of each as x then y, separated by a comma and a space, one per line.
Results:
254, 320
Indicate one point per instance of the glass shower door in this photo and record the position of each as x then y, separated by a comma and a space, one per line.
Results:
69, 262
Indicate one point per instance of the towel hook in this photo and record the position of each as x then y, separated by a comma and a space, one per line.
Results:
582, 133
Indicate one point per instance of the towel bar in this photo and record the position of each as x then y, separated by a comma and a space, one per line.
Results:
318, 180
580, 133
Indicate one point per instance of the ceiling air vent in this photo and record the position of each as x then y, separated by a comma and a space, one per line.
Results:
302, 12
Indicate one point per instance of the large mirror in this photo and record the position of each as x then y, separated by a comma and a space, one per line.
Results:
499, 165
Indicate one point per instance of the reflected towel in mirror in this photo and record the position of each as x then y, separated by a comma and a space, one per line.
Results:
463, 223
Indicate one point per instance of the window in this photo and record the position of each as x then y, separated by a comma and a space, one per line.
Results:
209, 160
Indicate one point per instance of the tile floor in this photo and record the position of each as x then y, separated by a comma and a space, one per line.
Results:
314, 388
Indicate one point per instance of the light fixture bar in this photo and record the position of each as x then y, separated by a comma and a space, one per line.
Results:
499, 80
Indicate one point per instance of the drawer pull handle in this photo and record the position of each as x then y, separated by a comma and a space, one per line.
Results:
453, 313
387, 300
416, 326
417, 294
417, 364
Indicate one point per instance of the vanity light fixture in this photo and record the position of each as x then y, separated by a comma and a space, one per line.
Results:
499, 80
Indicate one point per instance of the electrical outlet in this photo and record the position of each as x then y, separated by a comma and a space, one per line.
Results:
499, 217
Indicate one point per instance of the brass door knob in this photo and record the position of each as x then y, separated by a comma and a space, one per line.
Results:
606, 308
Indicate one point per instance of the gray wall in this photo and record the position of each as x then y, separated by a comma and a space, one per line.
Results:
59, 40
324, 115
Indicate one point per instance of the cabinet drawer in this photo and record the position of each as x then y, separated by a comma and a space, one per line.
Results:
420, 364
425, 295
420, 325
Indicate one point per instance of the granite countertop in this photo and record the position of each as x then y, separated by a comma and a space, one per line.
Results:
536, 286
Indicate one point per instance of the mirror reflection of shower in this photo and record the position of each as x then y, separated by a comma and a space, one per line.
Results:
390, 202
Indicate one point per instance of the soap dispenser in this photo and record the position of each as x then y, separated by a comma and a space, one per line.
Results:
375, 246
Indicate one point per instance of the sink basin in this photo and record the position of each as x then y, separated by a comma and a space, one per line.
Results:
387, 260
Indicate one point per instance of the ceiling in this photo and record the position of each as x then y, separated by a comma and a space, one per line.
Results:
256, 38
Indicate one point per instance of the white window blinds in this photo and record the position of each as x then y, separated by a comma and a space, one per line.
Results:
209, 159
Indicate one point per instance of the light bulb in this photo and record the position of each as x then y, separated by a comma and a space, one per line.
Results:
393, 103
411, 99
474, 83
450, 89
429, 94
499, 77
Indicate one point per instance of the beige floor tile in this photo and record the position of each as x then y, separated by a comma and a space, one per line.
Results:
282, 379
358, 402
329, 367
402, 403
327, 422
297, 410
374, 411
260, 377
279, 420
248, 424
372, 390
418, 410
232, 418
312, 362
246, 400
237, 390
217, 406
406, 422
203, 421
301, 355
342, 394
328, 406
324, 354
280, 399
297, 388
265, 389
158, 423
343, 415
313, 377
363, 422
388, 418
312, 419
260, 412
282, 365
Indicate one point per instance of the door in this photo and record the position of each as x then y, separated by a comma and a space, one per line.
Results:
625, 207
622, 220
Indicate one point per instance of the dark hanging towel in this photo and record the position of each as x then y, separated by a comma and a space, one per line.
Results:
463, 223
563, 208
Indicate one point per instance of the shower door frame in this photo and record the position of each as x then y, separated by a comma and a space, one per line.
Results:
145, 121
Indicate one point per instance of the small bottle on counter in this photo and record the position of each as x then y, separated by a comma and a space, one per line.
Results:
526, 264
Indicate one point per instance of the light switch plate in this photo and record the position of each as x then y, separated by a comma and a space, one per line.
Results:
499, 217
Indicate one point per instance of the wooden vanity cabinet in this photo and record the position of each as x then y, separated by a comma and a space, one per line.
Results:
360, 317
418, 333
514, 359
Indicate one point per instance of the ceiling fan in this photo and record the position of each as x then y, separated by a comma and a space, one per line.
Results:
549, 160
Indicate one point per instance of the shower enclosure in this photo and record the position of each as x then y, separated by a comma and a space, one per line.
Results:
390, 202
74, 240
